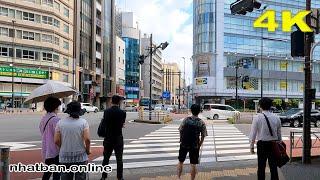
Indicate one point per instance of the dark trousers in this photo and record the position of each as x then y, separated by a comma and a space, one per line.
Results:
115, 144
77, 175
264, 150
47, 175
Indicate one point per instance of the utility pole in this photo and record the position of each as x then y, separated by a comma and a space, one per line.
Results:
179, 105
12, 67
150, 82
237, 97
306, 154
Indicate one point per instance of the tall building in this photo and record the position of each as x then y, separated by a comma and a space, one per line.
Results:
93, 50
120, 64
36, 43
131, 35
171, 83
220, 40
157, 67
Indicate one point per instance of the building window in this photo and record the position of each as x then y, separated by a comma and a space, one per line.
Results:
28, 16
56, 41
66, 11
66, 45
119, 59
26, 54
4, 31
12, 13
47, 20
4, 11
56, 5
19, 14
66, 28
66, 61
56, 57
47, 38
28, 35
48, 2
65, 78
6, 52
46, 56
56, 23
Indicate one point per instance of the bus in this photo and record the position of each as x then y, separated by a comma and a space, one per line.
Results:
144, 103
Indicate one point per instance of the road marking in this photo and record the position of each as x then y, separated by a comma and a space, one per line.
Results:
16, 146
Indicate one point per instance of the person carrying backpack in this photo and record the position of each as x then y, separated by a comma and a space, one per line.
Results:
190, 141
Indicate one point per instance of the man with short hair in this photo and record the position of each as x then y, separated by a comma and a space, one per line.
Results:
190, 141
266, 127
113, 121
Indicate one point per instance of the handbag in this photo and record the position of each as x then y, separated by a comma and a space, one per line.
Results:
279, 149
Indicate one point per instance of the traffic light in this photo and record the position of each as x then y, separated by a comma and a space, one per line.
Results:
244, 6
141, 59
297, 44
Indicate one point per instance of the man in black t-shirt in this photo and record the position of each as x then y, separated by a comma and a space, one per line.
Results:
114, 119
191, 129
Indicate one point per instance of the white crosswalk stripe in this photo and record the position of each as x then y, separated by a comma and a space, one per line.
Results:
161, 147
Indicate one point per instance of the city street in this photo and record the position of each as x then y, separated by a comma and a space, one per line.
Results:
146, 145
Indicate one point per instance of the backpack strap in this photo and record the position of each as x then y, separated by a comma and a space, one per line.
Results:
47, 123
269, 127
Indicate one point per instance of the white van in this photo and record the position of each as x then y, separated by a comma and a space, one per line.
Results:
219, 111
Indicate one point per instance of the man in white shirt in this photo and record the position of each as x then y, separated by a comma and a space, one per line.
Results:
265, 135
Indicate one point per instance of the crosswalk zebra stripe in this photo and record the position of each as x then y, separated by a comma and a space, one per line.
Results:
178, 139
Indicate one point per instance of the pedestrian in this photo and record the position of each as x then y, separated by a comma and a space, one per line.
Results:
113, 121
73, 137
265, 128
50, 151
190, 141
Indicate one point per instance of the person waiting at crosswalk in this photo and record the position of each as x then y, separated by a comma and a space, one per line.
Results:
190, 141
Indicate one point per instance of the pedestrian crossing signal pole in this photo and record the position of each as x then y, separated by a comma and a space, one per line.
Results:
306, 155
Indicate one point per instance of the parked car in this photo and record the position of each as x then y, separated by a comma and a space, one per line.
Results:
131, 108
276, 111
294, 117
159, 107
87, 107
219, 111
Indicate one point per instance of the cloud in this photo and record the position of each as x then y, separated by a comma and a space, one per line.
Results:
167, 20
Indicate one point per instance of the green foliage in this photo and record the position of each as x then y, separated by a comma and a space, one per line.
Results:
277, 102
293, 103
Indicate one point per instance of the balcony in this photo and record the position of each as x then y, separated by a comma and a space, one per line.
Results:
98, 71
99, 23
98, 55
98, 5
98, 38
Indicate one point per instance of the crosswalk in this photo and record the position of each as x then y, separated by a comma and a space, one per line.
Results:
160, 147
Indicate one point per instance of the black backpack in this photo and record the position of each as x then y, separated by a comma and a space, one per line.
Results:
190, 133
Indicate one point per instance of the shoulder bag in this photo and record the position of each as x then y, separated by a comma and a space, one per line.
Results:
279, 150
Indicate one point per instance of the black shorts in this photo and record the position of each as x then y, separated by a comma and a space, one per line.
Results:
193, 154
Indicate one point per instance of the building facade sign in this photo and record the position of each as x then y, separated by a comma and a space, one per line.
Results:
201, 81
24, 73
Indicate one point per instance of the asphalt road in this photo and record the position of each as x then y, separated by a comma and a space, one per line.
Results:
22, 128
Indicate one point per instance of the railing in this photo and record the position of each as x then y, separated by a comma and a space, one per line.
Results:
156, 116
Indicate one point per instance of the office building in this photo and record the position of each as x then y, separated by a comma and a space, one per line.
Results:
94, 50
157, 68
120, 66
220, 40
171, 83
36, 43
130, 33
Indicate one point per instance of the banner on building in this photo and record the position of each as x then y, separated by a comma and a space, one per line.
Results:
201, 81
24, 72
283, 65
283, 85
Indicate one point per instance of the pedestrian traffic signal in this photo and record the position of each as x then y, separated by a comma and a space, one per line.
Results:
297, 44
244, 6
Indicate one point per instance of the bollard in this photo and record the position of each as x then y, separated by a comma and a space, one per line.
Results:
4, 163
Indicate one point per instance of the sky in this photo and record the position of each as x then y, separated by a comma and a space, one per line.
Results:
167, 20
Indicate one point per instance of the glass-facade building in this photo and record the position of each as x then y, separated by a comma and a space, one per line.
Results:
132, 69
222, 40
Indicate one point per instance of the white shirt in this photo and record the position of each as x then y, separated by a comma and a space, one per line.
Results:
260, 130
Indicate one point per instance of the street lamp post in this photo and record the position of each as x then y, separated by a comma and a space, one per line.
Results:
141, 61
12, 67
261, 55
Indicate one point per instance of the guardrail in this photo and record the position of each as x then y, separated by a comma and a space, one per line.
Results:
158, 116
4, 163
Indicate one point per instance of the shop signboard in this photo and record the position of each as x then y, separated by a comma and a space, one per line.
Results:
23, 72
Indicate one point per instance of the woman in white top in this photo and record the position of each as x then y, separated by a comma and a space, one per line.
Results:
261, 132
72, 136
